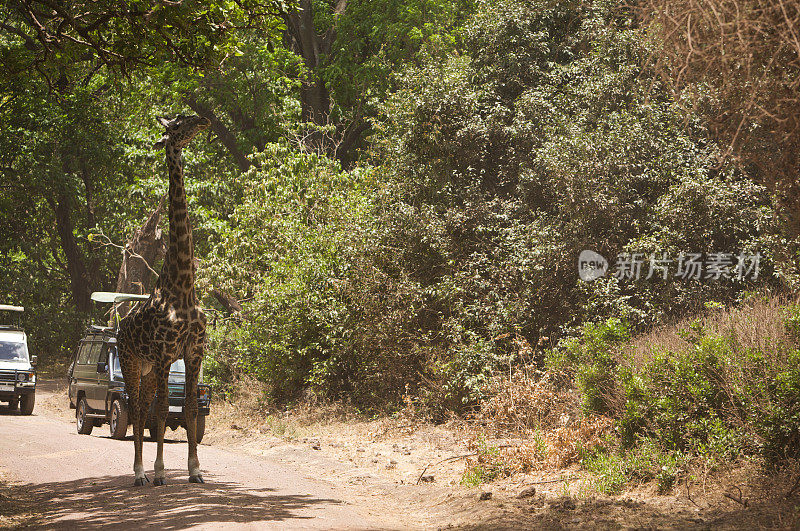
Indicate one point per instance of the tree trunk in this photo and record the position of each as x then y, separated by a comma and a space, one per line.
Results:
93, 260
227, 301
145, 248
314, 96
80, 281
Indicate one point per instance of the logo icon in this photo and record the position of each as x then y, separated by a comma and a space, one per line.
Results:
591, 265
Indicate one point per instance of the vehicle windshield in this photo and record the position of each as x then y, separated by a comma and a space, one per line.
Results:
177, 372
13, 351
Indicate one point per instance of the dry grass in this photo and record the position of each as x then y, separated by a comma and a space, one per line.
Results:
533, 426
523, 403
530, 423
758, 325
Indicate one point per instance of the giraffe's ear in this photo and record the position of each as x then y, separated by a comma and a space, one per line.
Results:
163, 121
159, 144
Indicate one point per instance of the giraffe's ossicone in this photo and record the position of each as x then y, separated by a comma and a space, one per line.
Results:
169, 325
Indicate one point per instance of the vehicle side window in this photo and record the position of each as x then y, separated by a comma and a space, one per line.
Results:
94, 355
83, 354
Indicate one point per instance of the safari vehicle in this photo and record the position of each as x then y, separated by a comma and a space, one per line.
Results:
97, 390
17, 367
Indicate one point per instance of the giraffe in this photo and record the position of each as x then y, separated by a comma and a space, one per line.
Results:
170, 324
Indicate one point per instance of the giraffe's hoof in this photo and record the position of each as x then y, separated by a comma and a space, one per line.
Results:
141, 481
196, 479
157, 482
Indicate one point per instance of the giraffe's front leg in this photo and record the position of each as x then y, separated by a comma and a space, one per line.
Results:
162, 408
193, 359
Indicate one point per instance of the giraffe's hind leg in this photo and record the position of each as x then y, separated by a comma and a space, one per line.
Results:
193, 359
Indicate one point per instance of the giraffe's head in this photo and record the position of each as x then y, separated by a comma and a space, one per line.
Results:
181, 130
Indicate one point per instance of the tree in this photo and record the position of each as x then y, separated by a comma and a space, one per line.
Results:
351, 49
125, 37
737, 63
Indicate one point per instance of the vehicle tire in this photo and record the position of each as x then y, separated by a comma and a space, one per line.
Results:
201, 428
84, 424
152, 429
26, 403
118, 421
13, 403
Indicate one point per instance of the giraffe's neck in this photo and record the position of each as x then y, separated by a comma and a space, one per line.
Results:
177, 275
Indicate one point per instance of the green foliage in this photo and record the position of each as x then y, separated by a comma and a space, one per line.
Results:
467, 374
644, 463
124, 38
591, 359
487, 466
375, 39
792, 319
538, 140
715, 399
777, 419
284, 252
685, 402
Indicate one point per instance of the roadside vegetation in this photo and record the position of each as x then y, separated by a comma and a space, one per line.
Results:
395, 222
678, 403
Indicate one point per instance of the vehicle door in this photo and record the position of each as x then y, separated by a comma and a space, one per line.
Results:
95, 392
81, 375
103, 378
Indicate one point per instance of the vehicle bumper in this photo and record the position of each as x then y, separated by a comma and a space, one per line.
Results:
5, 396
10, 391
176, 415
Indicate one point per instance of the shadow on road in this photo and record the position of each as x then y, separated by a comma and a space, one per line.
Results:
112, 502
7, 411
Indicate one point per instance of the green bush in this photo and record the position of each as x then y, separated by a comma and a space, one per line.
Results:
541, 136
716, 398
590, 358
777, 421
646, 462
682, 400
502, 162
284, 253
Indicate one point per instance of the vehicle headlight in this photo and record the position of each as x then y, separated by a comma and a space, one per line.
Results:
22, 376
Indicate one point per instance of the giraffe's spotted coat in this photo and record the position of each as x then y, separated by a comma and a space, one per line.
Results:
170, 325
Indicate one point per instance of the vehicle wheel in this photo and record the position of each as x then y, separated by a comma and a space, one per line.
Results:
201, 428
119, 420
152, 428
13, 403
84, 425
26, 403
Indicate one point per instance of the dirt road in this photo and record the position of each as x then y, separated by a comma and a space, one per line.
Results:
79, 482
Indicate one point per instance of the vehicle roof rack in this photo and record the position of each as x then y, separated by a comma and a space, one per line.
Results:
10, 308
111, 296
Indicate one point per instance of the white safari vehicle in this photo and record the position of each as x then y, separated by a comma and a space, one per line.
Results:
17, 367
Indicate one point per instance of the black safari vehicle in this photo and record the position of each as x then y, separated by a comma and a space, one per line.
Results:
97, 391
17, 372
